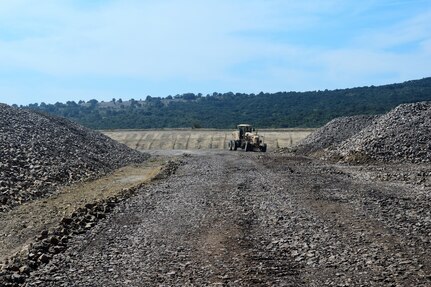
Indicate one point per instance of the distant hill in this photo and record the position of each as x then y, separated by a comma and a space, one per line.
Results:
264, 110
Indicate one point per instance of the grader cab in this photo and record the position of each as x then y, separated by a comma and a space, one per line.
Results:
246, 138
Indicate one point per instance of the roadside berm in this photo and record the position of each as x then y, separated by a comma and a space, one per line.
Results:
39, 152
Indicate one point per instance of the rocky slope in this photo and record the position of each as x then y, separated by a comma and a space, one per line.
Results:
333, 133
402, 135
39, 152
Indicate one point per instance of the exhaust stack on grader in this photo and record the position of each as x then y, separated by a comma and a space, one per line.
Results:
246, 138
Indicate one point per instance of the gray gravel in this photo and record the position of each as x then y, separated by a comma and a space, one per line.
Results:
39, 152
333, 133
402, 135
237, 219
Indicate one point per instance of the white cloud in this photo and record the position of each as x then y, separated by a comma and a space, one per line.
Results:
193, 39
373, 57
208, 42
412, 30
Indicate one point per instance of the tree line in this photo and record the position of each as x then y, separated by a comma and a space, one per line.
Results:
226, 110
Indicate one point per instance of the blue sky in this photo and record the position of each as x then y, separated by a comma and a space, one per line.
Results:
60, 50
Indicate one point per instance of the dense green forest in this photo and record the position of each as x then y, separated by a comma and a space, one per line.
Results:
264, 110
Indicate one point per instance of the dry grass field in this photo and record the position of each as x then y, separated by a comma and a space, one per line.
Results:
188, 139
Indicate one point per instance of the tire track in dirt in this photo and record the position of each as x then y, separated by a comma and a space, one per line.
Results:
251, 219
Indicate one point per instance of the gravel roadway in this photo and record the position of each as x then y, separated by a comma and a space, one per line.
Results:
252, 219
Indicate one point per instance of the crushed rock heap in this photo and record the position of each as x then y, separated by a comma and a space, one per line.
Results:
39, 152
333, 133
402, 135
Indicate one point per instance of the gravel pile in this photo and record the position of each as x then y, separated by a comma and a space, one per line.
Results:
39, 152
402, 135
333, 133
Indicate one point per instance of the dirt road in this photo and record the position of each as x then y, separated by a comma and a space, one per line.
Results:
252, 219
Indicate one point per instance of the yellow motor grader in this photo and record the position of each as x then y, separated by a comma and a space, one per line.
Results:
246, 138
